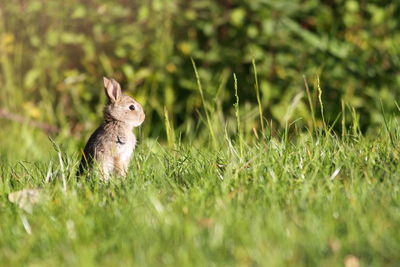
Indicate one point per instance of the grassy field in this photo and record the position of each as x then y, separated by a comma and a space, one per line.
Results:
313, 200
264, 142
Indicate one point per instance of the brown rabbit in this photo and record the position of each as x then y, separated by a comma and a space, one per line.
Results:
110, 147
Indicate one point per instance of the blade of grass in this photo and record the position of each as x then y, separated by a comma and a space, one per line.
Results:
387, 125
237, 114
310, 101
168, 128
343, 119
320, 101
214, 142
260, 111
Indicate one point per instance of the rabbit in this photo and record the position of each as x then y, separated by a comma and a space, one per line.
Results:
111, 146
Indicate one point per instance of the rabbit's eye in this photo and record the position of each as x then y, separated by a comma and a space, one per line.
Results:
132, 107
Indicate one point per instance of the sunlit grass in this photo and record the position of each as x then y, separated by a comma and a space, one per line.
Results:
313, 200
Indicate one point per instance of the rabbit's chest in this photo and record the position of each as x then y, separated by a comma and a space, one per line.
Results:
125, 147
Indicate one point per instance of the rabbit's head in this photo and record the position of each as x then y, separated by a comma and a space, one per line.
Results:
121, 107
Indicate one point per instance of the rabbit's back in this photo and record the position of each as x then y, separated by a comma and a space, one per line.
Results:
93, 145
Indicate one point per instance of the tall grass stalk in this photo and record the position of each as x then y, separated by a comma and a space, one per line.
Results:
61, 166
237, 114
387, 125
260, 110
355, 122
200, 88
169, 129
320, 101
310, 102
343, 119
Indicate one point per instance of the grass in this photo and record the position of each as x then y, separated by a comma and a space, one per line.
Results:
315, 200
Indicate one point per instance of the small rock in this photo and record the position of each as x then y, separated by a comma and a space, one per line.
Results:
351, 261
26, 198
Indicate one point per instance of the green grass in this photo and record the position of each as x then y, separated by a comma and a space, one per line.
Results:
311, 201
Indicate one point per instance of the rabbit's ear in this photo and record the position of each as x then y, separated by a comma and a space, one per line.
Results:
113, 89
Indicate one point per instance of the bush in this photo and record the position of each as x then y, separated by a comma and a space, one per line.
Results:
53, 55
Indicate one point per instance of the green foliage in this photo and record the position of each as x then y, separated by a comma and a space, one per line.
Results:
53, 56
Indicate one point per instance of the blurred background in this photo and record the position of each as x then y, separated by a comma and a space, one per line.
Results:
53, 55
